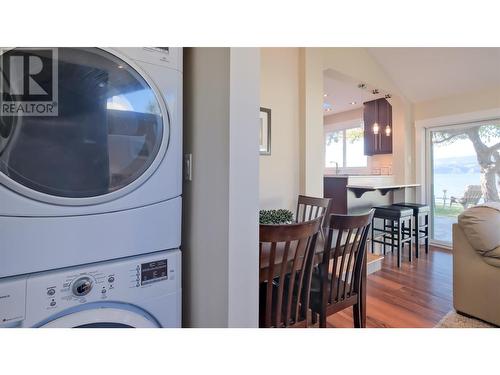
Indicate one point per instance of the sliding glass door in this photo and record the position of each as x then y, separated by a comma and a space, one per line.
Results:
463, 170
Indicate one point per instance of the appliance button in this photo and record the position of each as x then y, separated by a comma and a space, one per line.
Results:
53, 303
103, 291
111, 279
51, 292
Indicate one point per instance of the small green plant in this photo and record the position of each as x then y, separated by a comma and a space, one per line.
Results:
280, 216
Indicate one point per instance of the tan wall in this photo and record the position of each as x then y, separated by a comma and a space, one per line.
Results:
311, 121
351, 115
463, 103
279, 90
220, 205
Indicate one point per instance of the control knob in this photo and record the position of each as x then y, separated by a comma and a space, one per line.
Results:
82, 286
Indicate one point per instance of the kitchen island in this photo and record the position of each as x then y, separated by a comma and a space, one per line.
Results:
357, 193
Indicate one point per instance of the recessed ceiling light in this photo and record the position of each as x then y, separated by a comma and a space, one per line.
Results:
352, 103
328, 109
325, 95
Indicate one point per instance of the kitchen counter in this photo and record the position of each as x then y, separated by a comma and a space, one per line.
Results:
360, 189
355, 193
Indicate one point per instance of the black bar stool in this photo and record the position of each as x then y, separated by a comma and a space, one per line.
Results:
398, 231
420, 231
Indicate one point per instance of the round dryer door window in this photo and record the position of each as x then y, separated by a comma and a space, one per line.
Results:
101, 133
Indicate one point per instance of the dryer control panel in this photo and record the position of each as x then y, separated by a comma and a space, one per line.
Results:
163, 56
129, 280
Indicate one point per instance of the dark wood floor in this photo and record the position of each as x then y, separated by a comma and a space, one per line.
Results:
418, 294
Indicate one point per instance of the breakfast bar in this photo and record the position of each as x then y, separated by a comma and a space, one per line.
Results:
354, 193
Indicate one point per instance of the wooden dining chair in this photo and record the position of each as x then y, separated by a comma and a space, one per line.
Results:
286, 253
309, 208
337, 281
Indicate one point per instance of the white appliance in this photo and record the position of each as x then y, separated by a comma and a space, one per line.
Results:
140, 292
102, 180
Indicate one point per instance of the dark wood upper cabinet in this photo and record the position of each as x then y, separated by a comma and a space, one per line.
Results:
377, 111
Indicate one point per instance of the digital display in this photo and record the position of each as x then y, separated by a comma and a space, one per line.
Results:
154, 271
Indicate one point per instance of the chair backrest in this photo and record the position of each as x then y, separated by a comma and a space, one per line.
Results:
473, 192
343, 256
309, 208
289, 250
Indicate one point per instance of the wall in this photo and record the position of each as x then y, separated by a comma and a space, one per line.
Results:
311, 121
220, 204
463, 103
351, 115
279, 90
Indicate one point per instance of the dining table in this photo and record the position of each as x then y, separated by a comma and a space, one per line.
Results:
265, 254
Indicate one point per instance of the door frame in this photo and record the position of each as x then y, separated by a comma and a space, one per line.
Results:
423, 150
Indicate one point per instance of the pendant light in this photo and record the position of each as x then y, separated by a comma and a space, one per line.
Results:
375, 124
387, 130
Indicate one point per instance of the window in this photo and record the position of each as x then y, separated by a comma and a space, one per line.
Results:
345, 147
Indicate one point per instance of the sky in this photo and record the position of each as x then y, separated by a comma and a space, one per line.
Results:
461, 147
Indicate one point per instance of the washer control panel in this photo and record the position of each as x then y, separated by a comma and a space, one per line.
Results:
127, 280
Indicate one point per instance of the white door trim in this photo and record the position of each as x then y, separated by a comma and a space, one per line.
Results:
422, 151
422, 143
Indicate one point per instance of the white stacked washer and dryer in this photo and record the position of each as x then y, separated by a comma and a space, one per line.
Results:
90, 199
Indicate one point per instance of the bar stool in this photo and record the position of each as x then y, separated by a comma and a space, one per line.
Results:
398, 231
420, 231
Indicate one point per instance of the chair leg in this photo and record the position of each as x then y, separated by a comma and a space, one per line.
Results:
427, 233
356, 314
398, 241
410, 242
392, 237
314, 317
322, 320
417, 235
373, 235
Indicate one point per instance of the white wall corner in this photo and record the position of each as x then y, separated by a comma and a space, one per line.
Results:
243, 248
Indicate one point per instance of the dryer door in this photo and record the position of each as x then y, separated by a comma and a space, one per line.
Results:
103, 318
109, 134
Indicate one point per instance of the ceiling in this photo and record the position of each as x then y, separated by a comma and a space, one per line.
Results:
429, 73
342, 91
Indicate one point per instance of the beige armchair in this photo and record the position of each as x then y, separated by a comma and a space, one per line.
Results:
476, 263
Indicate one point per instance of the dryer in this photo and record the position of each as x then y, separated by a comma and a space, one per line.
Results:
137, 292
102, 179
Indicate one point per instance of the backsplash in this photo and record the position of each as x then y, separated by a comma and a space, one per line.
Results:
381, 164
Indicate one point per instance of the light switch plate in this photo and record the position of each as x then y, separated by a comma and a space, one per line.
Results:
188, 167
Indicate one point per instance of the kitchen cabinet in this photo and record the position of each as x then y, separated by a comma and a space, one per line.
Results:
377, 111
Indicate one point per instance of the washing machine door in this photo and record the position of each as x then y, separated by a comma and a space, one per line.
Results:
103, 318
107, 134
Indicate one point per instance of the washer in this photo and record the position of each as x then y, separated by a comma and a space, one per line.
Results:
102, 179
139, 292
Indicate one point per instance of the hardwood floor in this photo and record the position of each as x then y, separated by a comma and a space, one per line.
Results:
417, 295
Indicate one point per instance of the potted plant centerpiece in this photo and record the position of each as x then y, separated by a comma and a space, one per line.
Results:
280, 216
